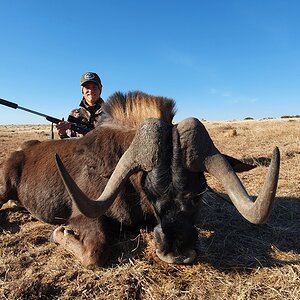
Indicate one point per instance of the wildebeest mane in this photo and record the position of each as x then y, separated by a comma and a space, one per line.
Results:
132, 108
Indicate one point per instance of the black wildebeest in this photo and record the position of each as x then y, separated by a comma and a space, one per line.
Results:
145, 168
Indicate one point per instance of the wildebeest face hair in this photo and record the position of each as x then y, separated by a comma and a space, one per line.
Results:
176, 194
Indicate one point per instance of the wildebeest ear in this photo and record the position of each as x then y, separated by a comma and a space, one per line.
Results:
238, 165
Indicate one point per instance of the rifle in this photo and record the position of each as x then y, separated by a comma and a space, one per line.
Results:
75, 120
76, 127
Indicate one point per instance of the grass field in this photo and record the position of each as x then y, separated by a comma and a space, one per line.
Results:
235, 259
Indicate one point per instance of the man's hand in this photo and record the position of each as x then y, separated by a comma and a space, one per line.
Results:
62, 128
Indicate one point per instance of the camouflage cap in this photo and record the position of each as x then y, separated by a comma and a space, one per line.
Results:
90, 76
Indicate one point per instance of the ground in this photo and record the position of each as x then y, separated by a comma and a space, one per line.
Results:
236, 260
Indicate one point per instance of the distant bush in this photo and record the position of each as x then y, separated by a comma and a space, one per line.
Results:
289, 117
248, 118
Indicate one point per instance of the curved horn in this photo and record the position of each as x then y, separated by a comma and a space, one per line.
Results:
200, 154
255, 212
142, 154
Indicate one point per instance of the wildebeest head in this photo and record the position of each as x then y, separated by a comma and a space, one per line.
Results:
175, 193
174, 159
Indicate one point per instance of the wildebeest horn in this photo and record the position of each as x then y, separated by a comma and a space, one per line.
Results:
142, 154
200, 154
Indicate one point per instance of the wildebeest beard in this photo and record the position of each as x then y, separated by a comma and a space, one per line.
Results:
175, 194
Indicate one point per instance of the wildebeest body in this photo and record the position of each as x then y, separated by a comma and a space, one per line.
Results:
44, 194
153, 172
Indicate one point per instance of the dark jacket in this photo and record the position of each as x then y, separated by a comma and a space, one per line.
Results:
87, 116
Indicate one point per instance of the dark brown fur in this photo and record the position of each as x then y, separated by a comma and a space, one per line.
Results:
30, 175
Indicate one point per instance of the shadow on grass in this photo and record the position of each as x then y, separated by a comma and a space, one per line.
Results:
227, 241
11, 219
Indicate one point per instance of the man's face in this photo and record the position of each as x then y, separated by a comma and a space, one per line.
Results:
91, 92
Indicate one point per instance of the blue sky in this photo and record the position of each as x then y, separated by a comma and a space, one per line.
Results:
220, 60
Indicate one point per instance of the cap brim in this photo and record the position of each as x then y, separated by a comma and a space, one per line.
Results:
94, 81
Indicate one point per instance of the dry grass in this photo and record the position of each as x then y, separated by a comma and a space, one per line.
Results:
236, 260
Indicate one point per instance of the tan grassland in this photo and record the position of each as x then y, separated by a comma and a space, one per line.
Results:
236, 260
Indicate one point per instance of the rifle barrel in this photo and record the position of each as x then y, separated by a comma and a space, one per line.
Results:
8, 103
76, 127
36, 112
